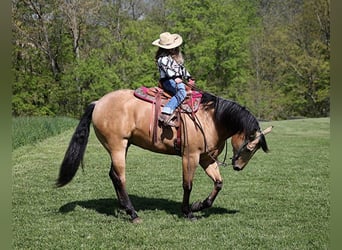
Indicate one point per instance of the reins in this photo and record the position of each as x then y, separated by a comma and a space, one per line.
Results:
199, 125
221, 163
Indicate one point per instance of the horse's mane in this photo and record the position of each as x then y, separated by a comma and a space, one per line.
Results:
231, 114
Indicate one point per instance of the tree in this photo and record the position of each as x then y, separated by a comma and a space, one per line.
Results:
216, 35
290, 60
271, 56
76, 13
37, 46
35, 24
310, 55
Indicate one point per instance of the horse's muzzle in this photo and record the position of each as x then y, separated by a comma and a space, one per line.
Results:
237, 168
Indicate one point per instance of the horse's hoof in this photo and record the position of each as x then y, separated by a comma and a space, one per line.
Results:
191, 217
137, 220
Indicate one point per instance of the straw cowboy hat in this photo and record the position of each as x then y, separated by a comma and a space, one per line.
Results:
168, 41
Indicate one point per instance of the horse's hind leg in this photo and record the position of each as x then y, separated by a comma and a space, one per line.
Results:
117, 175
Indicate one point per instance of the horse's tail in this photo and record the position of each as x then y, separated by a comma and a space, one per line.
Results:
77, 146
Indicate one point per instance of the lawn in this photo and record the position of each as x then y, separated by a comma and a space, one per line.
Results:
279, 201
30, 129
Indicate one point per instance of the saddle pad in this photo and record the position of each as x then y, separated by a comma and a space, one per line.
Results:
189, 105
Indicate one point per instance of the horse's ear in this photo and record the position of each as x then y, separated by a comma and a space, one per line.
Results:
267, 130
251, 145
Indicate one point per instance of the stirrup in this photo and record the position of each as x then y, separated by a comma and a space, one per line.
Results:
168, 120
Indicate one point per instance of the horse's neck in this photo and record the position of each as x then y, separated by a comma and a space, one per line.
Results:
215, 134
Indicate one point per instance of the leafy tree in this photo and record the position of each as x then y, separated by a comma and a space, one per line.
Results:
270, 55
216, 35
37, 56
83, 83
290, 60
309, 57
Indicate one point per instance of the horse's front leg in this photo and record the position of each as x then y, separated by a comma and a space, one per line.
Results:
212, 170
189, 167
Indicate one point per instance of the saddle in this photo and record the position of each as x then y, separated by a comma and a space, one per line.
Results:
154, 94
158, 97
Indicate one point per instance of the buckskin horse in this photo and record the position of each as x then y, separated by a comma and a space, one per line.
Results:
120, 119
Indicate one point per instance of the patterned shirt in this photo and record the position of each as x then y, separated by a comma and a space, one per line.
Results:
169, 68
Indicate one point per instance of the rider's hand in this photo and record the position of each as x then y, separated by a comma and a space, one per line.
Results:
178, 80
191, 82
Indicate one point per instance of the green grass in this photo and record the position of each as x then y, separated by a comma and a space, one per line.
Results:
29, 130
279, 201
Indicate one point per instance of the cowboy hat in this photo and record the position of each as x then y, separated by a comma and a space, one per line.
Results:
168, 41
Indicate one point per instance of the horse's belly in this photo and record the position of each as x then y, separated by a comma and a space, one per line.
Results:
163, 142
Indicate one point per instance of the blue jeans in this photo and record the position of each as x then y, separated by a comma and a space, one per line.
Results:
179, 93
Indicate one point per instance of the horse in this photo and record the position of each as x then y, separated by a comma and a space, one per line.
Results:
120, 119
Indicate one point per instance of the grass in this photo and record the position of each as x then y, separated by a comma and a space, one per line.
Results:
280, 201
29, 130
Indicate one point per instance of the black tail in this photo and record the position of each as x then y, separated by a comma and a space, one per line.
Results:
74, 154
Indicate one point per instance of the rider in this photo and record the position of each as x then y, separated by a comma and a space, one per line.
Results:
172, 73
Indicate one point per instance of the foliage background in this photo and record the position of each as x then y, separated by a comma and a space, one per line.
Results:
270, 55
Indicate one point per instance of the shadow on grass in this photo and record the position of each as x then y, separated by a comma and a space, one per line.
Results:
110, 206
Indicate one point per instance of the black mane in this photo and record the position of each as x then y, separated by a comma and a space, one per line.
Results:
231, 114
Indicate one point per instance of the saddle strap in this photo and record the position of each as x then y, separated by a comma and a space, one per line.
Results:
178, 140
154, 121
157, 105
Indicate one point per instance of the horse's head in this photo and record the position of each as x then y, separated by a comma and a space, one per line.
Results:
239, 123
244, 148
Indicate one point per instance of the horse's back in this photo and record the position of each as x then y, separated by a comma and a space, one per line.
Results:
118, 105
114, 98
119, 116
108, 105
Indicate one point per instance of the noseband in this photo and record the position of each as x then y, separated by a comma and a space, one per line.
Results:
238, 153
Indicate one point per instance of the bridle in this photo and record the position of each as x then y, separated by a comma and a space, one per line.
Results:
253, 145
238, 153
244, 146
